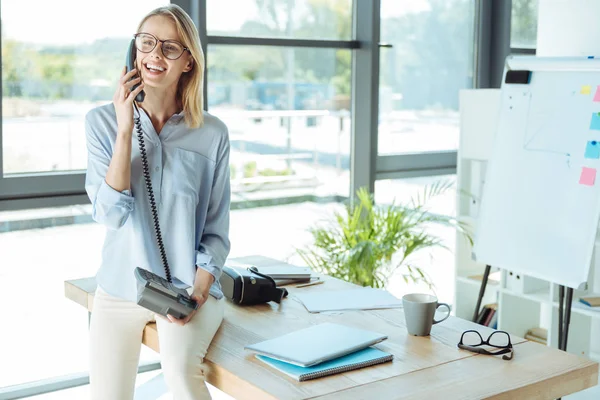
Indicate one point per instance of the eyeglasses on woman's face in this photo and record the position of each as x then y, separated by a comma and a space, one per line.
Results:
472, 341
171, 49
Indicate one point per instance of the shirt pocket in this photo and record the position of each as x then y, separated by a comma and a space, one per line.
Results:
189, 174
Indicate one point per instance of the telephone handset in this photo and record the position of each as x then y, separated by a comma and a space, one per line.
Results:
130, 62
153, 291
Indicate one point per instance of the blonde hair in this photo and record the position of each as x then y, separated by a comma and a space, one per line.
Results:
190, 88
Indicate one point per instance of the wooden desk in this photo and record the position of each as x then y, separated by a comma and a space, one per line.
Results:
423, 368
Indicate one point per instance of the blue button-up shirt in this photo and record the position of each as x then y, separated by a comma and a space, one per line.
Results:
189, 169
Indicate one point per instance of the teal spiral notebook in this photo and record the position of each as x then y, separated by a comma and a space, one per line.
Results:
359, 359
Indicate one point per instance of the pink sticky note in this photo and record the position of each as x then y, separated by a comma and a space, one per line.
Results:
597, 95
588, 176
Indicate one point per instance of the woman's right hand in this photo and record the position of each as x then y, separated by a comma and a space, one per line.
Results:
123, 100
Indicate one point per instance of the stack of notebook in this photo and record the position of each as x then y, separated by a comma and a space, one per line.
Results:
359, 359
321, 350
284, 274
590, 301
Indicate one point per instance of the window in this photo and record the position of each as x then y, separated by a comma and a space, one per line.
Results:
48, 334
437, 262
420, 76
56, 67
287, 110
523, 30
298, 19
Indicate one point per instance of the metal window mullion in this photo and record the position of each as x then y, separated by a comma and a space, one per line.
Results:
492, 41
365, 95
413, 162
43, 202
59, 383
481, 50
203, 32
500, 44
281, 42
1, 120
522, 50
197, 11
194, 9
42, 185
416, 173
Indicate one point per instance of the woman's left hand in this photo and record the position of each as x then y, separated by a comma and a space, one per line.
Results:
200, 294
200, 298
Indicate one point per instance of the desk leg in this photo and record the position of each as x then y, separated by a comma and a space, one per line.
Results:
89, 318
484, 281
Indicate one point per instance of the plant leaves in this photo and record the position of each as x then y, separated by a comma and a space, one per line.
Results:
359, 243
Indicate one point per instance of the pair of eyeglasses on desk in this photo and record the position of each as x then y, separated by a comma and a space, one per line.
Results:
472, 341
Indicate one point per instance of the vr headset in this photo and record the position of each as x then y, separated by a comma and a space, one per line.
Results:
246, 286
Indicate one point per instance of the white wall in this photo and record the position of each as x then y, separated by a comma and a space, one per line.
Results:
568, 28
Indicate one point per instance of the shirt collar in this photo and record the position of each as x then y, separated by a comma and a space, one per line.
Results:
175, 118
178, 117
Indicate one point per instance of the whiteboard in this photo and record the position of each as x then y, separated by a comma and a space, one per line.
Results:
541, 199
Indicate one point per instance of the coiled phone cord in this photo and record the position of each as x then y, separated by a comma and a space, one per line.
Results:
146, 169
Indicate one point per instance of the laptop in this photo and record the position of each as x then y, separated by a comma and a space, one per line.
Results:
316, 344
285, 271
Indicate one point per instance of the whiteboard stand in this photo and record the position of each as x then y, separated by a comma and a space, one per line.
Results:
564, 308
564, 321
537, 301
541, 199
484, 281
563, 324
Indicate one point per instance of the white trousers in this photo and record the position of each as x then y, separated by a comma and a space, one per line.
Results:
115, 341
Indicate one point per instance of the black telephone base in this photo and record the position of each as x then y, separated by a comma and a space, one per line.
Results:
155, 296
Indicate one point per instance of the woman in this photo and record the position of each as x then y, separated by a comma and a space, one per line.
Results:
188, 160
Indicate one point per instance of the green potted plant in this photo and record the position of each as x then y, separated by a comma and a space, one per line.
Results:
366, 243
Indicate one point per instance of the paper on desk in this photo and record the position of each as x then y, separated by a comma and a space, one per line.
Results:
365, 298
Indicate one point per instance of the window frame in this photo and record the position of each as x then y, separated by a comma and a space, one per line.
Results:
492, 45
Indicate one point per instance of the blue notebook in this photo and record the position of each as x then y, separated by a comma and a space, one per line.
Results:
359, 359
316, 344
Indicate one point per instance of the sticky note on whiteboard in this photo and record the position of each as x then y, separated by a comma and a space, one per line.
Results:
597, 95
587, 89
592, 149
595, 124
588, 176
